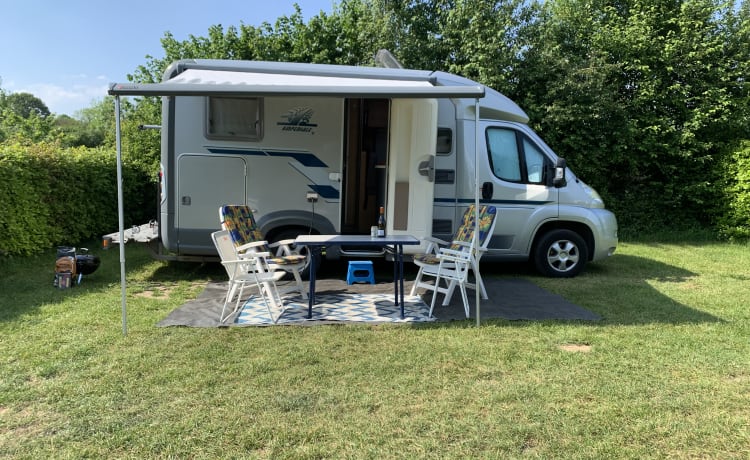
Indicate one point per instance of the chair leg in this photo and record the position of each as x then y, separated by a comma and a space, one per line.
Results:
224, 308
230, 295
300, 285
272, 299
478, 279
434, 295
465, 298
449, 293
239, 297
417, 280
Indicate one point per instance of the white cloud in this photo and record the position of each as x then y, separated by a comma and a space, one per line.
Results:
65, 99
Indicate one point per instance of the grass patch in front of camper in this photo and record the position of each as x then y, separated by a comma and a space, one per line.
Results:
665, 373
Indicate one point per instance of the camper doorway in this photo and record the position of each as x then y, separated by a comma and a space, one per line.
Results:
365, 159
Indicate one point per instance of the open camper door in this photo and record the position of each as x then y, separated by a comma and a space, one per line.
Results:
413, 137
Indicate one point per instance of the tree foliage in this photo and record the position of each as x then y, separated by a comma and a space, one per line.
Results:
647, 99
24, 117
25, 105
642, 97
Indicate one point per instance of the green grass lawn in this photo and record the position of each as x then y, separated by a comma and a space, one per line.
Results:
665, 374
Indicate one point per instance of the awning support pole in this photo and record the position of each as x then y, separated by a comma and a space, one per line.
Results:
121, 216
475, 243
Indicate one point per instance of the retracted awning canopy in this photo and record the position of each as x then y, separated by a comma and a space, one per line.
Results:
201, 82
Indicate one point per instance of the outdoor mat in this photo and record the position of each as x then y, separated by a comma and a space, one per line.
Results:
336, 306
509, 298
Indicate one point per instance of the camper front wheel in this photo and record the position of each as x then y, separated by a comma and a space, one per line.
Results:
561, 254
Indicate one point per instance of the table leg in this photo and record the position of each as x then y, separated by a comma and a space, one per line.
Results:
395, 275
400, 251
311, 294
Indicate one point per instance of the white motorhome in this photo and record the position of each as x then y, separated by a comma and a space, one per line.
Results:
318, 148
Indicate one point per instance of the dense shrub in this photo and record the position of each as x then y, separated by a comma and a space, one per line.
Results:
56, 196
734, 222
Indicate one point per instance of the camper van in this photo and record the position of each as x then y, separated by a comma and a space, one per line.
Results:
318, 149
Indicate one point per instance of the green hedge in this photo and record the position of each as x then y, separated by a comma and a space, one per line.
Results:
55, 196
734, 220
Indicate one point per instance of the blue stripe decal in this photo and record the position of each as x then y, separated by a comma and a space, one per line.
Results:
325, 191
471, 201
306, 159
221, 151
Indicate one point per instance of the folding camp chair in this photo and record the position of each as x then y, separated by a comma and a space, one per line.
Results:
453, 262
253, 269
238, 220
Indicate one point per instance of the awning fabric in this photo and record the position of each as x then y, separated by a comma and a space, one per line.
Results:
201, 82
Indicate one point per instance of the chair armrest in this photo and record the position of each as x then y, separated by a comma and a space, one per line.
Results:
453, 255
250, 245
284, 247
438, 241
287, 242
477, 251
247, 257
434, 244
461, 243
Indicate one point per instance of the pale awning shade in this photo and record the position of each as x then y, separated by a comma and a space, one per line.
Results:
201, 82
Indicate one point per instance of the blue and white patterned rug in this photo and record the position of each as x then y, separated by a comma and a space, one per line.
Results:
346, 307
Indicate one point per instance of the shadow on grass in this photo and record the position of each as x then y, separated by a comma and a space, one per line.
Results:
622, 290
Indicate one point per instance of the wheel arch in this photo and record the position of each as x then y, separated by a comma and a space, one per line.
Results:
279, 222
579, 227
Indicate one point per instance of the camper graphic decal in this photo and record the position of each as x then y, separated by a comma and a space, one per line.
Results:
298, 120
307, 164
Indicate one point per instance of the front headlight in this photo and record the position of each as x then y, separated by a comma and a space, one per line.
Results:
595, 200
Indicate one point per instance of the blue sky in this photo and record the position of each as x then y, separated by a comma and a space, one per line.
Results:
66, 52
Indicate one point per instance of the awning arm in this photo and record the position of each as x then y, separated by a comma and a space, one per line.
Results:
121, 216
475, 243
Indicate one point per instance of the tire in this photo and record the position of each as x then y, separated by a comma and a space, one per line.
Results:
290, 235
561, 254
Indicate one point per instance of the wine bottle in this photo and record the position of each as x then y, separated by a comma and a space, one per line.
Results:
381, 222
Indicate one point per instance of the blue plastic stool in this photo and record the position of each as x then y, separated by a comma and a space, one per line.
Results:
360, 271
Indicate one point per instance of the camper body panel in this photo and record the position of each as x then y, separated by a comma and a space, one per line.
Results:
292, 158
276, 172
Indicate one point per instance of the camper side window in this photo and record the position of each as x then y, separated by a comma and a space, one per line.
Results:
514, 157
234, 118
502, 146
444, 144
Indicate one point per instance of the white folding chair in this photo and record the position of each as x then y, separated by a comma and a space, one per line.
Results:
250, 268
448, 262
454, 269
239, 221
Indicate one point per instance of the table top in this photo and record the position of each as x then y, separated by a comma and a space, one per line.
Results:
361, 240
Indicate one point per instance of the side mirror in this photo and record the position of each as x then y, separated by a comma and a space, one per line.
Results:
559, 178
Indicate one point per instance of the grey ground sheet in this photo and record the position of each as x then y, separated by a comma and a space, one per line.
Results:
509, 298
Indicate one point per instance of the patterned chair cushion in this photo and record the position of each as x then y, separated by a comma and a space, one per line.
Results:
430, 259
465, 230
238, 220
287, 260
